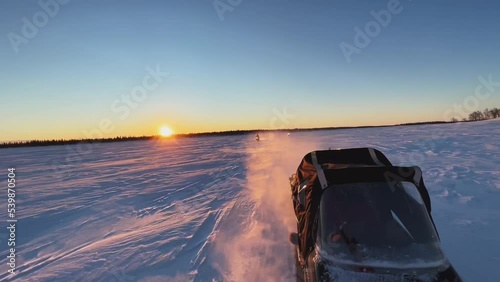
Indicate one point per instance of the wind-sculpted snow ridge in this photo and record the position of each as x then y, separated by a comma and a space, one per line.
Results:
219, 208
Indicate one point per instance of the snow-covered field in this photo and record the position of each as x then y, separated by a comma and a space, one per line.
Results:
219, 209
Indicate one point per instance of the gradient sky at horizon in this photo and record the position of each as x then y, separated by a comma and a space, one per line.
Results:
237, 73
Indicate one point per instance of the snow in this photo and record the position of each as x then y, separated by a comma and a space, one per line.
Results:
219, 208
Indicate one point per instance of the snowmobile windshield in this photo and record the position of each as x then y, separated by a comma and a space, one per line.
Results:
378, 225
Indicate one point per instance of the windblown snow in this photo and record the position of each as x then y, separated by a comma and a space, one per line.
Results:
219, 208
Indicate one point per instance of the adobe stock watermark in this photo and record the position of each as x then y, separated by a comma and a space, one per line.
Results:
280, 120
222, 174
363, 37
122, 108
484, 90
119, 276
223, 6
30, 27
138, 94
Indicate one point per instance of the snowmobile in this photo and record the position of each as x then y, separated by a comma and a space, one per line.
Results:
359, 218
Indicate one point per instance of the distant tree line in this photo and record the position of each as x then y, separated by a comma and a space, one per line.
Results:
422, 123
53, 142
481, 115
474, 116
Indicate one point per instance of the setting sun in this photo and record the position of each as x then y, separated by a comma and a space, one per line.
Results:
166, 131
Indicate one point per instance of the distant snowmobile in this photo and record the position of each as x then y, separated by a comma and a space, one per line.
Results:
359, 218
257, 137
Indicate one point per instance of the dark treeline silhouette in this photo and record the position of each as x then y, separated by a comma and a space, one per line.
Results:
484, 115
254, 131
422, 123
474, 116
54, 142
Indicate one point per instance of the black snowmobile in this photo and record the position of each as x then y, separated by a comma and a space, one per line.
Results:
359, 218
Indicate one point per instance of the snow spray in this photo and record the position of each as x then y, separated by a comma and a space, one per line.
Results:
261, 251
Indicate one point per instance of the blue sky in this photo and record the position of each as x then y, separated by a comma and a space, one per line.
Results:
237, 72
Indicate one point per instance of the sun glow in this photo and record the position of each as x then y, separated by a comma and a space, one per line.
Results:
166, 131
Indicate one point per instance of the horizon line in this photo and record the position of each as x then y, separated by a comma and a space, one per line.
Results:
47, 142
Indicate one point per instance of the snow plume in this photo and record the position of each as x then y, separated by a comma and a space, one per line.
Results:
259, 250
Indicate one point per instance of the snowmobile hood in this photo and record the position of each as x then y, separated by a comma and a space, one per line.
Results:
321, 169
